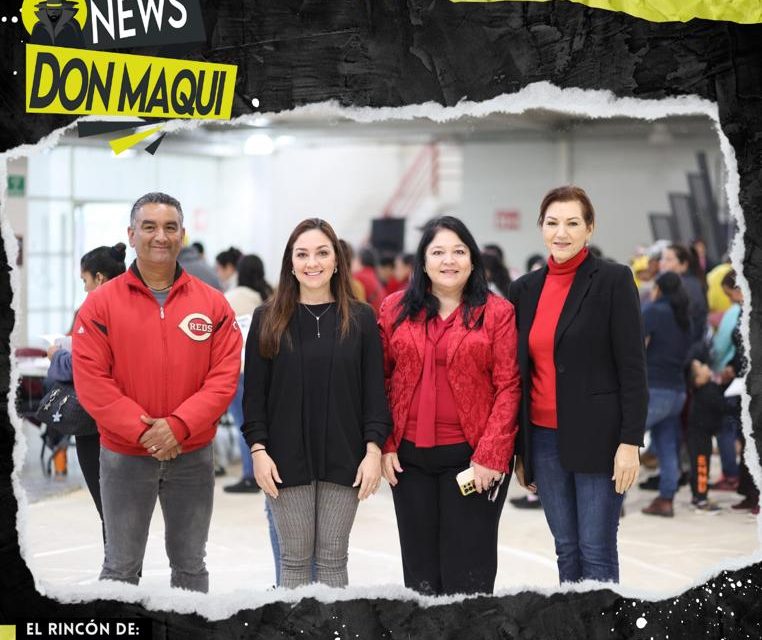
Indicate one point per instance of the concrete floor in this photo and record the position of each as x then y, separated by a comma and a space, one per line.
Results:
658, 556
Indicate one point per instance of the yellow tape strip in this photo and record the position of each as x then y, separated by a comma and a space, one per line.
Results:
741, 11
125, 142
7, 632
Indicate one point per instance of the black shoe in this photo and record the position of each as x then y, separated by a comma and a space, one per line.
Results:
650, 484
245, 485
749, 502
525, 503
219, 471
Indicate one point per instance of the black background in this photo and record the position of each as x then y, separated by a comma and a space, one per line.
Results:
191, 31
400, 52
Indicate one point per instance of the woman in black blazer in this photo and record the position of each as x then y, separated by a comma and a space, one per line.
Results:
315, 411
585, 396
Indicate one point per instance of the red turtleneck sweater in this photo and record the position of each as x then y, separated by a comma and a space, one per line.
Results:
542, 407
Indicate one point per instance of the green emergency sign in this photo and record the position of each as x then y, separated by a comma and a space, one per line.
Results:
16, 186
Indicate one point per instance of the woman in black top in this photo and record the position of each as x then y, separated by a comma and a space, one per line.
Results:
667, 326
96, 267
315, 412
677, 259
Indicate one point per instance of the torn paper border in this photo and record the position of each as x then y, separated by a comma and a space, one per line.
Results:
541, 95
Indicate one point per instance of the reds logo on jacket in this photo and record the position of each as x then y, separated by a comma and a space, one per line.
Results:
197, 326
133, 356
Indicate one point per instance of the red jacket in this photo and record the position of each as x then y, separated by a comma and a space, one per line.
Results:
133, 357
374, 290
482, 370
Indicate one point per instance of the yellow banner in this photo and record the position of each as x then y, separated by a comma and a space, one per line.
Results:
741, 11
81, 82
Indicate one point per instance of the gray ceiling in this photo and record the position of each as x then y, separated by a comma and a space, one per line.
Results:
217, 139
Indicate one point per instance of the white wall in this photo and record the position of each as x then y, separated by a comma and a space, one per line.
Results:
507, 177
248, 201
627, 182
254, 202
261, 199
626, 179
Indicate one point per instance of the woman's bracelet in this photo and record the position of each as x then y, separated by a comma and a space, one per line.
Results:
253, 450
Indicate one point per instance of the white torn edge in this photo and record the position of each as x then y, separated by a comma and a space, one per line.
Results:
540, 95
11, 251
19, 447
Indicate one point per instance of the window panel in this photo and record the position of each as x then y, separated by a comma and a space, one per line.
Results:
49, 226
49, 173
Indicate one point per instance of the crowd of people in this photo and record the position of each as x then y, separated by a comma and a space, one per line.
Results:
692, 318
435, 371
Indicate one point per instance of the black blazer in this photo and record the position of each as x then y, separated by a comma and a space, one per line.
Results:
357, 407
601, 387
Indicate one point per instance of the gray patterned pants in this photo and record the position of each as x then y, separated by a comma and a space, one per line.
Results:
314, 520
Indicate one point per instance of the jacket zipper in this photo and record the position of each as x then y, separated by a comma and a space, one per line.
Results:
165, 367
165, 352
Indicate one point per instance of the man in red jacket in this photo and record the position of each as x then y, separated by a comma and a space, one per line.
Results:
156, 358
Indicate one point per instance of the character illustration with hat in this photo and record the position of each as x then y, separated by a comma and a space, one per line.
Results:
57, 24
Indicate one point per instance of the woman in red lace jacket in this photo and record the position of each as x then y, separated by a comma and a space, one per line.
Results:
453, 384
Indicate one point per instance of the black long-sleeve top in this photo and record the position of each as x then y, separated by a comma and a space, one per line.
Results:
708, 406
277, 390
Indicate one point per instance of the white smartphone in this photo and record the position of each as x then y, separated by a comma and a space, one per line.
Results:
465, 480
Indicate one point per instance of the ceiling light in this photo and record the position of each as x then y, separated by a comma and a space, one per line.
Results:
283, 141
660, 135
259, 144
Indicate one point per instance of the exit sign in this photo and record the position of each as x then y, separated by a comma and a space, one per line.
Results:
507, 220
16, 186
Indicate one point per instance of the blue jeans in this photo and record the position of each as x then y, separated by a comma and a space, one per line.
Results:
236, 412
184, 486
664, 407
273, 541
582, 510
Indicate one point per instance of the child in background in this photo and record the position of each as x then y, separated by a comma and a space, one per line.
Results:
704, 420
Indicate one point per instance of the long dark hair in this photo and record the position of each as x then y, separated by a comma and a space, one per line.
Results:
689, 258
251, 274
418, 296
498, 273
108, 261
672, 289
279, 309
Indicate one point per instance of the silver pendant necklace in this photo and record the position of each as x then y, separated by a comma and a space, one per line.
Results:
316, 316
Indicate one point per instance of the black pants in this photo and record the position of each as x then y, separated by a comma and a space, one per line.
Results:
746, 485
700, 451
448, 541
88, 454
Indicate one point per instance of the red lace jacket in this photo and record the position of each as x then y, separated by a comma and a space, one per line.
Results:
482, 370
